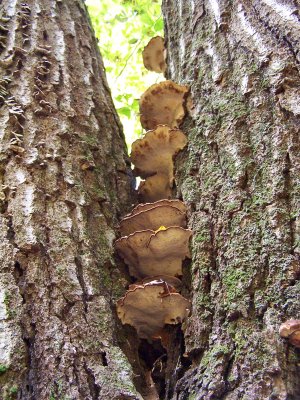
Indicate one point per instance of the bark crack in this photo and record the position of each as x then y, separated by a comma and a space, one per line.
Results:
94, 388
277, 33
80, 277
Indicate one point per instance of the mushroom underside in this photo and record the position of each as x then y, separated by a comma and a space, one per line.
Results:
149, 253
150, 306
153, 218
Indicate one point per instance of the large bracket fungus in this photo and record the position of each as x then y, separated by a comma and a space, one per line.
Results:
163, 104
154, 55
291, 331
150, 252
153, 156
161, 213
149, 306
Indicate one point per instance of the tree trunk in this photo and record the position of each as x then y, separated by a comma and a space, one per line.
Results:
240, 177
65, 180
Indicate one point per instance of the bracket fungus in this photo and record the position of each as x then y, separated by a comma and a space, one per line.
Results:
149, 306
154, 55
156, 187
163, 104
153, 156
151, 252
154, 153
165, 202
152, 216
291, 330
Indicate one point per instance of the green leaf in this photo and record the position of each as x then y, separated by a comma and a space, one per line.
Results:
159, 25
133, 41
125, 111
147, 20
121, 17
135, 105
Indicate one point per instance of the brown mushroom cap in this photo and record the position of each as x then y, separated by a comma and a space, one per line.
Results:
294, 339
154, 153
291, 330
161, 214
155, 188
154, 55
162, 104
147, 206
288, 327
150, 253
148, 307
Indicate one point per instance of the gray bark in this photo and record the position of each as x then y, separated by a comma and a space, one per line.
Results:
64, 181
240, 177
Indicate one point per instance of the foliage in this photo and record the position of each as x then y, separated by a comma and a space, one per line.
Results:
123, 28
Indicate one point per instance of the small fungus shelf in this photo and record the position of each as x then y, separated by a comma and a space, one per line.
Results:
149, 306
154, 55
149, 252
165, 202
154, 153
153, 156
163, 104
170, 280
155, 188
291, 331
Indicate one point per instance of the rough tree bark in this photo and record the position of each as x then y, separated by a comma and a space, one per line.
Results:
240, 176
64, 183
64, 178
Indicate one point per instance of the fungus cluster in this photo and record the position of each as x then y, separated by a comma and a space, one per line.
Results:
152, 157
154, 236
155, 241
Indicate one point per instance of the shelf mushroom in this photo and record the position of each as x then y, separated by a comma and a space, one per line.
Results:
155, 188
165, 202
291, 330
163, 104
149, 306
151, 252
154, 55
152, 157
152, 216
